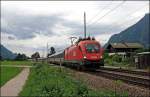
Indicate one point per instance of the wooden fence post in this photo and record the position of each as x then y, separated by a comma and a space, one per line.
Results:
60, 64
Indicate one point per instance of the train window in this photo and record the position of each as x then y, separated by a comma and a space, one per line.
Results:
92, 48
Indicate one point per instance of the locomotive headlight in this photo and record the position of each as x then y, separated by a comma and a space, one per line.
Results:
101, 57
84, 57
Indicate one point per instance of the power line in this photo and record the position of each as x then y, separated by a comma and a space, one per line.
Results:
124, 22
118, 23
108, 12
84, 25
99, 12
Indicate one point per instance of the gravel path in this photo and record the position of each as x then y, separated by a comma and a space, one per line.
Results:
14, 86
98, 83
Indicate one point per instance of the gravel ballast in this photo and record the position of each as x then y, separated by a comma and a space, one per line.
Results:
101, 83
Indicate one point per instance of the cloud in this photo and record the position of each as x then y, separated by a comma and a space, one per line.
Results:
24, 27
27, 26
38, 43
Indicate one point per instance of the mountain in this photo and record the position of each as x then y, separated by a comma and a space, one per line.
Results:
5, 53
138, 32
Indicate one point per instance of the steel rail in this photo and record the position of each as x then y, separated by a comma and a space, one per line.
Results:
127, 78
136, 72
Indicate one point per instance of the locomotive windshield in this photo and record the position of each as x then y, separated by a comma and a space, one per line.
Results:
92, 48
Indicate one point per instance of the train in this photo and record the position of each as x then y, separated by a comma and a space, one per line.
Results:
86, 53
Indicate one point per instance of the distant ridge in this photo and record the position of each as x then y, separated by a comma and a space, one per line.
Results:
5, 53
137, 33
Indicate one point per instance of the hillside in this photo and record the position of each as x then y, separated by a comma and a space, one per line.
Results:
5, 53
138, 32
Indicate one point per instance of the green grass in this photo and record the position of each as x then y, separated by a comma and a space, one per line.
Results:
7, 73
51, 81
5, 62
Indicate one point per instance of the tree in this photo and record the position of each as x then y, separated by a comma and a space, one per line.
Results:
21, 57
35, 56
52, 51
1, 58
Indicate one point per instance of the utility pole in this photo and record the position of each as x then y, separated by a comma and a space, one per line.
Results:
47, 53
47, 49
84, 25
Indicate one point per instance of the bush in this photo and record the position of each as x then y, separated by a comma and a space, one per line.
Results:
117, 58
106, 55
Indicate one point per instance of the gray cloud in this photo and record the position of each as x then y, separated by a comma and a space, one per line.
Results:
25, 27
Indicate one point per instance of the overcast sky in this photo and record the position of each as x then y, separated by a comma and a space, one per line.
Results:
27, 26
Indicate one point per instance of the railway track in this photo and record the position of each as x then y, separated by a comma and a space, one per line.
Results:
139, 78
137, 72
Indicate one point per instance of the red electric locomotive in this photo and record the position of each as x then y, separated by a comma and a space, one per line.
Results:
86, 53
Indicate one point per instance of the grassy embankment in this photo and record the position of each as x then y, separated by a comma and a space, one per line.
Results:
51, 81
7, 73
6, 62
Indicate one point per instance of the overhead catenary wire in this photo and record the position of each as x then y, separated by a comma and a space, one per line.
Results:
126, 19
108, 12
114, 9
112, 27
100, 11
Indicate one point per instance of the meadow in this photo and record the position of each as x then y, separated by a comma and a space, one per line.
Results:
7, 73
12, 62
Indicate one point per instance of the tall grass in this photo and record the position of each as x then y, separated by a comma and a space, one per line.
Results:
50, 81
45, 81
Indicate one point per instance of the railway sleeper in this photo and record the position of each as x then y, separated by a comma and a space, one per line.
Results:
127, 79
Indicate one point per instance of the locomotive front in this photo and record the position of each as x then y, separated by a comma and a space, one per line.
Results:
85, 53
92, 54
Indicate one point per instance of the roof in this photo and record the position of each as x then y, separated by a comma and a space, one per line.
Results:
134, 45
117, 45
126, 45
57, 54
